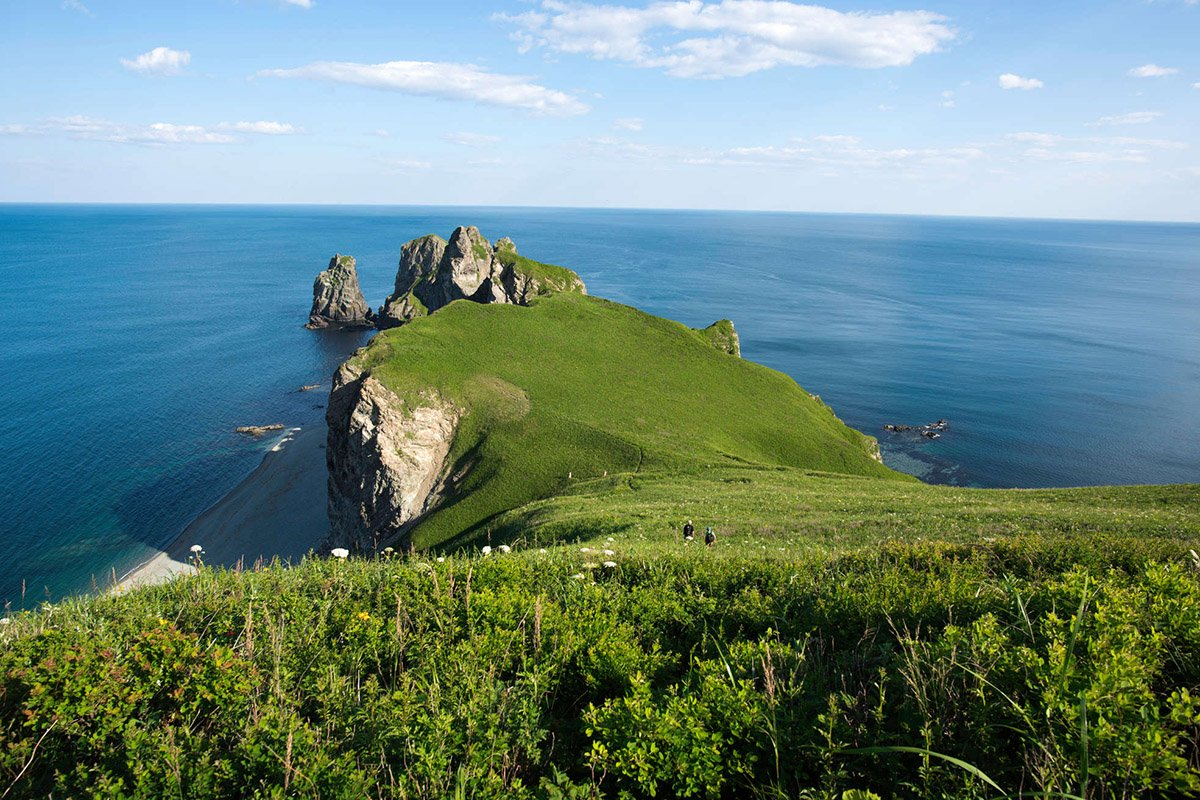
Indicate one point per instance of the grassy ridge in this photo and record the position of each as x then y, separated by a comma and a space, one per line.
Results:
789, 512
574, 387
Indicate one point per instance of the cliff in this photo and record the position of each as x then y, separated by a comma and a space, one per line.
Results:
338, 301
434, 273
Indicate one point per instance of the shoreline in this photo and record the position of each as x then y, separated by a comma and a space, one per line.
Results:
277, 511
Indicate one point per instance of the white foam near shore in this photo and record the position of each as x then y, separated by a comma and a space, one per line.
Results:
276, 511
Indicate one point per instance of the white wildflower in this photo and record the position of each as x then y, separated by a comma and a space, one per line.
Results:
197, 549
585, 549
609, 552
610, 564
610, 539
487, 548
505, 548
339, 552
542, 551
5, 620
441, 559
578, 576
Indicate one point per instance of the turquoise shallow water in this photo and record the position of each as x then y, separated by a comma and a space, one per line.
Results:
1063, 353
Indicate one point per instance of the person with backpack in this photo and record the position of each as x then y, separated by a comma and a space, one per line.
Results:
710, 536
689, 531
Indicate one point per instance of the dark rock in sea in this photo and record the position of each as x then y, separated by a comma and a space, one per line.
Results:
338, 301
931, 431
258, 430
434, 273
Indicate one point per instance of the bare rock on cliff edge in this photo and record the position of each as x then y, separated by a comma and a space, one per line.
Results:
338, 301
387, 459
434, 272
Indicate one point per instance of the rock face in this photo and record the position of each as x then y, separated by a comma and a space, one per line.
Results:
723, 336
338, 301
387, 459
434, 273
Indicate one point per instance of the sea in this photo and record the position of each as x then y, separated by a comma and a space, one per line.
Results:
1061, 353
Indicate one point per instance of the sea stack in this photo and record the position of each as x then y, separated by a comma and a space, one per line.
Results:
434, 272
338, 301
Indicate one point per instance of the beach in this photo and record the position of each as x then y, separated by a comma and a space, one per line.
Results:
276, 511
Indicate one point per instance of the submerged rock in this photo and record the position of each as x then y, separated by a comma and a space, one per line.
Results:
338, 301
387, 459
434, 272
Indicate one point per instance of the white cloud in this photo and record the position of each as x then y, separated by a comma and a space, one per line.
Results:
629, 123
471, 139
1196, 85
1040, 139
298, 3
1151, 71
1010, 81
948, 98
730, 38
263, 128
1087, 156
404, 164
159, 61
1132, 118
441, 79
836, 139
157, 133
75, 5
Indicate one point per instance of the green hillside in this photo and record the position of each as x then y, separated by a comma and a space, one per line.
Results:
574, 387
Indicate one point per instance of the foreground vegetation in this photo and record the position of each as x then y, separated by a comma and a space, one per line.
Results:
1062, 663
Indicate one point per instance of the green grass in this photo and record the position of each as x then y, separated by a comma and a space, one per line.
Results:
573, 387
551, 278
696, 673
793, 513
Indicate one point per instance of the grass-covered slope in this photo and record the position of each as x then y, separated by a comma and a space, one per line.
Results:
574, 387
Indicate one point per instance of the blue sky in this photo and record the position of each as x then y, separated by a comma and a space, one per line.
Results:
1059, 109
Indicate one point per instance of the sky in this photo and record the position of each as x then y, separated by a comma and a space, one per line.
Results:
1024, 109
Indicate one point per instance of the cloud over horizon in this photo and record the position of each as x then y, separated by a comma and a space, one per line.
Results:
82, 127
730, 38
159, 61
445, 80
1132, 118
1011, 81
1152, 71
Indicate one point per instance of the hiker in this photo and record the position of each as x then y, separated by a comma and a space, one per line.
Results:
709, 536
689, 531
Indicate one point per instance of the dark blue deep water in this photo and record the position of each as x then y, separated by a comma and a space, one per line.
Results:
137, 338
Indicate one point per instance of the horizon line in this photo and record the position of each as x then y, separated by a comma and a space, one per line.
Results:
515, 206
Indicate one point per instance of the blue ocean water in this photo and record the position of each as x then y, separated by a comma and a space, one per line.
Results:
1063, 353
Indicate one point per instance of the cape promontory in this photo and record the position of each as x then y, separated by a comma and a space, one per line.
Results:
434, 273
338, 301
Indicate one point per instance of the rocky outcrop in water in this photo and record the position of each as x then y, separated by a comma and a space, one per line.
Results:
338, 301
933, 430
258, 431
387, 459
434, 273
